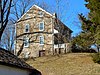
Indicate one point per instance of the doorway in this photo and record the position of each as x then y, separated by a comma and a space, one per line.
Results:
41, 53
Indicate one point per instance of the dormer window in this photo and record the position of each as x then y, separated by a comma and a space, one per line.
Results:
41, 26
40, 13
26, 28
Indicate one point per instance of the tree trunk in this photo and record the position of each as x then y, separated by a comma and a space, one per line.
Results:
21, 49
1, 32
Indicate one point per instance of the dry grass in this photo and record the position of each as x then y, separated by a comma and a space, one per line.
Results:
69, 64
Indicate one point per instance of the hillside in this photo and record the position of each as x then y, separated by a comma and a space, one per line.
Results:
69, 64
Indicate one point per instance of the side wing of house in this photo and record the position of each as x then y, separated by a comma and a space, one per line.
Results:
62, 32
62, 37
34, 33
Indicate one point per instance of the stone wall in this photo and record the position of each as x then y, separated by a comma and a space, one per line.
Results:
33, 20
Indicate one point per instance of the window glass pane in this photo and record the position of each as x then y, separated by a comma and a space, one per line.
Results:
27, 28
40, 13
27, 16
41, 40
26, 42
41, 26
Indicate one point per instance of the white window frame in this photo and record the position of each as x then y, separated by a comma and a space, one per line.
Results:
28, 28
26, 39
40, 26
42, 40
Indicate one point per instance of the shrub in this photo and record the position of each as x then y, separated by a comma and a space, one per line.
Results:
96, 58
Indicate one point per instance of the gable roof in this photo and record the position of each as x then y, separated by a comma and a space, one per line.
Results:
36, 7
9, 59
61, 23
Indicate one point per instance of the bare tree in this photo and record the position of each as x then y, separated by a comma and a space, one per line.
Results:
8, 37
19, 7
60, 13
61, 9
5, 6
44, 6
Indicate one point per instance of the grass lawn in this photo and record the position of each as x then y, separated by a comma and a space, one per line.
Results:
68, 64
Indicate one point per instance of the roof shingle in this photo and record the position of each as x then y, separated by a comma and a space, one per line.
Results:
10, 59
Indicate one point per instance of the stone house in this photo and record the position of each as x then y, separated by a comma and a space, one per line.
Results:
38, 31
12, 65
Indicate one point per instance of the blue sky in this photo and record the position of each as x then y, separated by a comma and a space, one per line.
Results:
72, 8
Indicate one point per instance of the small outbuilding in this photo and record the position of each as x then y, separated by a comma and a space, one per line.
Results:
12, 65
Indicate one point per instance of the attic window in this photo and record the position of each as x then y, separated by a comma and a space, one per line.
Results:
27, 16
40, 13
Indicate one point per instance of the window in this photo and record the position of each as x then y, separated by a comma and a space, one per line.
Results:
27, 28
41, 40
40, 13
41, 26
26, 42
27, 16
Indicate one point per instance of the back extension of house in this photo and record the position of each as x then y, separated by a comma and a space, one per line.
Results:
40, 33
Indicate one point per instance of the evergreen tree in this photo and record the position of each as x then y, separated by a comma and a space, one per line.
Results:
90, 34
